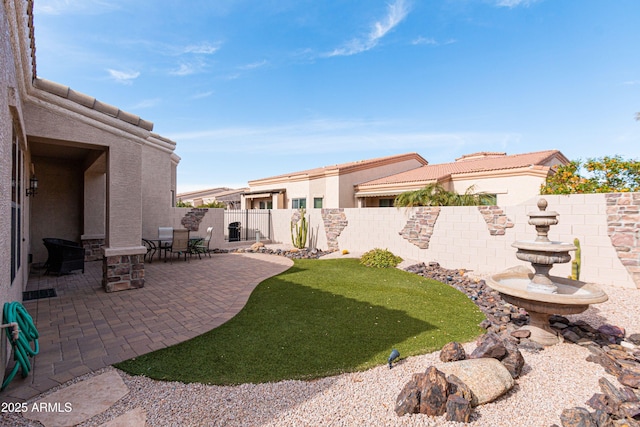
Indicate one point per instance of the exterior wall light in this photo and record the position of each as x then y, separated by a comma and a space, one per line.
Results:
33, 186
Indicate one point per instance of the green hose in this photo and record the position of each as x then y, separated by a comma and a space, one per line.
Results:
15, 312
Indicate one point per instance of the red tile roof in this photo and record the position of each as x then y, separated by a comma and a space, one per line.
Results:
346, 167
471, 163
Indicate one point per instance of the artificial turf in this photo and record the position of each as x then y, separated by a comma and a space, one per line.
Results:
319, 318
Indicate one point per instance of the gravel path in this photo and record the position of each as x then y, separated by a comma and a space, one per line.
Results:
552, 380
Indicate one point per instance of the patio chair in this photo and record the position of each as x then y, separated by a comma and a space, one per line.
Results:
151, 249
64, 256
165, 238
179, 244
202, 246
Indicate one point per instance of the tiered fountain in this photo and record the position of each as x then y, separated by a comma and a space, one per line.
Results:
540, 294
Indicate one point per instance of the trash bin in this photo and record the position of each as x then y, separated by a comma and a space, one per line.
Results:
234, 232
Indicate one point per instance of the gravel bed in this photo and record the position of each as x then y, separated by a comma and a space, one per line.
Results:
554, 379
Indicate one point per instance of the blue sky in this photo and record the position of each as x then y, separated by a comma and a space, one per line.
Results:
254, 88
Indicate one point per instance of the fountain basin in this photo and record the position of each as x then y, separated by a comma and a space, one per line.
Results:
572, 297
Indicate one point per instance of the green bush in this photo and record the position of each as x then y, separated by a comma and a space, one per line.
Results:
380, 258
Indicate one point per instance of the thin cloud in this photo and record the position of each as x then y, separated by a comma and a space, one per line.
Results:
123, 77
188, 67
202, 48
254, 65
515, 3
631, 83
202, 95
75, 7
183, 70
333, 136
146, 103
396, 13
431, 41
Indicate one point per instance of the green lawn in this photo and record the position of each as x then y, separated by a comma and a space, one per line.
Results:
320, 318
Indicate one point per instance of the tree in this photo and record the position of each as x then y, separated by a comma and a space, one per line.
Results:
596, 175
436, 195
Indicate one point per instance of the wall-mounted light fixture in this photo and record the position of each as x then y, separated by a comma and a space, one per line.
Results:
33, 186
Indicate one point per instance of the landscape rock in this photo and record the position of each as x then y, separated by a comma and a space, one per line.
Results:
434, 393
612, 330
629, 378
489, 345
459, 388
521, 333
452, 352
487, 378
634, 338
513, 361
577, 417
458, 409
257, 245
408, 401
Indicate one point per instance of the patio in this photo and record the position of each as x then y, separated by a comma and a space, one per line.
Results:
83, 328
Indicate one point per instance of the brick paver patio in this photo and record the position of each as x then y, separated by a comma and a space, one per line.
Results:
83, 328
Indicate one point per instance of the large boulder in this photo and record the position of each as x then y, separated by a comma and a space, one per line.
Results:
487, 378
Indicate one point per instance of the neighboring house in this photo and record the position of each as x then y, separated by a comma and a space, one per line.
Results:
229, 196
512, 179
325, 187
104, 178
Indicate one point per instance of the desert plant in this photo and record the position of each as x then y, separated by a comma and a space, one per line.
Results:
380, 258
299, 229
437, 195
214, 205
577, 261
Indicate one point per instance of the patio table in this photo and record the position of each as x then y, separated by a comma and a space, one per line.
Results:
156, 245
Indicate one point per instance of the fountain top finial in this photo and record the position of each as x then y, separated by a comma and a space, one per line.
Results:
542, 204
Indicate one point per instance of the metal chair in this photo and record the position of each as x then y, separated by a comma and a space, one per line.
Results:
179, 244
165, 239
151, 249
202, 246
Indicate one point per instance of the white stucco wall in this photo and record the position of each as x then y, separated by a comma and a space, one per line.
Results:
511, 190
461, 238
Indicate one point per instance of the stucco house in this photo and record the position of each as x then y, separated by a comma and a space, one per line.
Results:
229, 196
104, 178
511, 179
324, 187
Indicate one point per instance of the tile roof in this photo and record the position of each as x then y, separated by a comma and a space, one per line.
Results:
346, 167
470, 163
90, 102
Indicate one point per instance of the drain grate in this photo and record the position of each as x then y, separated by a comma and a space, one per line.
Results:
39, 294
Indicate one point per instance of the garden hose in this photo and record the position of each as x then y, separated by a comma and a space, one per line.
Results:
14, 312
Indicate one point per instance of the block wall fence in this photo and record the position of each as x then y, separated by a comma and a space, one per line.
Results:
475, 238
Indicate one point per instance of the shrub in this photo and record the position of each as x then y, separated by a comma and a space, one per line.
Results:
380, 258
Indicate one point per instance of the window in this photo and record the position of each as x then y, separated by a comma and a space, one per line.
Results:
266, 205
17, 164
299, 203
317, 202
385, 203
491, 199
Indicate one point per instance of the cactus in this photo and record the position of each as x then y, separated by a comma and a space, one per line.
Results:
577, 261
299, 230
